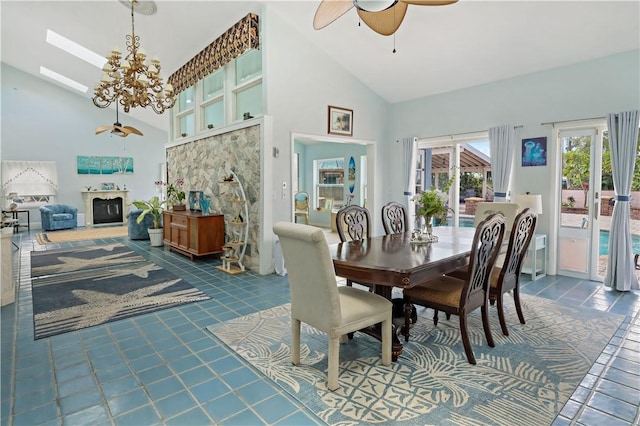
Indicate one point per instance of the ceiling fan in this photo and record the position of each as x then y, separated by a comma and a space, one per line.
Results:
118, 129
382, 16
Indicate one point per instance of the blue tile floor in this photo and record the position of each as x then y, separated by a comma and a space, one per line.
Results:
164, 368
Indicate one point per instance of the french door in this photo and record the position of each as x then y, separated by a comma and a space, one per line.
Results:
579, 207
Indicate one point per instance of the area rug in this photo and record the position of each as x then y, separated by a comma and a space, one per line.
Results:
66, 236
72, 300
527, 376
78, 258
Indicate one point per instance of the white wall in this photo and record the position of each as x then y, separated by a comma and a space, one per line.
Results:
585, 90
41, 121
301, 82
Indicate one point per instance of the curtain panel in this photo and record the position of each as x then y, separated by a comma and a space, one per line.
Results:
502, 140
623, 142
29, 177
244, 35
410, 153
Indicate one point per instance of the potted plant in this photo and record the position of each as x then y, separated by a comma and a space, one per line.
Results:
152, 207
176, 195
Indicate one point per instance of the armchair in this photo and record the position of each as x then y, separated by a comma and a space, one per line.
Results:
58, 216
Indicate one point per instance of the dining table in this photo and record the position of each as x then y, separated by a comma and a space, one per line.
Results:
394, 260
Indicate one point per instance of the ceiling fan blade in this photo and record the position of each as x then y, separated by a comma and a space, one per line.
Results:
387, 21
103, 129
330, 10
429, 2
133, 130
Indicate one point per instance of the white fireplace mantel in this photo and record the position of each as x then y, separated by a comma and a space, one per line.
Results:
89, 196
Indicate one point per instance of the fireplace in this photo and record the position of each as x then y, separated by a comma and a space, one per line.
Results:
105, 207
107, 211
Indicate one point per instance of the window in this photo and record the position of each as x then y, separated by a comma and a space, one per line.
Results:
29, 183
221, 98
213, 100
185, 114
329, 181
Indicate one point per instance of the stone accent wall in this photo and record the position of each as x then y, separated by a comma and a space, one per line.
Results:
205, 162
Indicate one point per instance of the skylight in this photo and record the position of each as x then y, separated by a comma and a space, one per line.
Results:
75, 49
64, 80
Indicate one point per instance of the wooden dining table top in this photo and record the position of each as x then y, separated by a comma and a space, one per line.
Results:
394, 261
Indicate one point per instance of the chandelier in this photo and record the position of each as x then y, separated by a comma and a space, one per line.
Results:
132, 81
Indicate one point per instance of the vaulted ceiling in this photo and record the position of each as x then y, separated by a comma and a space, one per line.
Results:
439, 49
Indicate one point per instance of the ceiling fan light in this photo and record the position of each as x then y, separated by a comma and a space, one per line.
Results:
374, 5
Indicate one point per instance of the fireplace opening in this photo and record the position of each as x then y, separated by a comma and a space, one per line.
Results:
107, 211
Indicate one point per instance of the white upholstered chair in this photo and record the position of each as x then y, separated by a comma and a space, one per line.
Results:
318, 301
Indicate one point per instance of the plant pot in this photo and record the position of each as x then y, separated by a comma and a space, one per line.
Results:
155, 237
179, 207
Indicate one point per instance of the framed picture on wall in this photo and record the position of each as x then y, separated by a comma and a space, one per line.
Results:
534, 152
340, 121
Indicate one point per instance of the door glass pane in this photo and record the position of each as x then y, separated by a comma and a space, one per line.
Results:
437, 168
576, 157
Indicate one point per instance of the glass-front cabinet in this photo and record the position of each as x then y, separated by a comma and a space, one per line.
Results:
230, 94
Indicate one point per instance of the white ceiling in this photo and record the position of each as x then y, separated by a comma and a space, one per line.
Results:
439, 49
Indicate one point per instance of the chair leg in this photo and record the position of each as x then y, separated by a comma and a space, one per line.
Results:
295, 341
408, 309
334, 361
485, 325
516, 299
386, 342
465, 340
435, 317
500, 307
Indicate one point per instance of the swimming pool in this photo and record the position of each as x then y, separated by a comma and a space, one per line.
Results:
603, 248
603, 244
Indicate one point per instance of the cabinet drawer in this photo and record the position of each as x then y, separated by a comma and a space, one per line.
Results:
179, 220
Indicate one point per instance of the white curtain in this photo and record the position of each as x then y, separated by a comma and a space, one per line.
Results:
502, 139
623, 141
410, 153
29, 177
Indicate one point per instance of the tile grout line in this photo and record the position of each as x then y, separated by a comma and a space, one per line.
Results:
600, 377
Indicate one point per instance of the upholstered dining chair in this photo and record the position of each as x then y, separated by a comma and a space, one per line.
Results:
394, 218
317, 301
461, 297
506, 277
301, 205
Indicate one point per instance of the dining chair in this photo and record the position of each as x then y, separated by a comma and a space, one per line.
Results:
506, 277
394, 218
353, 223
317, 301
301, 204
455, 296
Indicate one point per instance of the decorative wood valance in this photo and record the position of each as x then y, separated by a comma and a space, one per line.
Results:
244, 35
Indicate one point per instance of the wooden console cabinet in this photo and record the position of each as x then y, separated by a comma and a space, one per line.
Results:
192, 233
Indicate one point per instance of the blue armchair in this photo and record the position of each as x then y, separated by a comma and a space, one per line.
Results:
58, 216
138, 231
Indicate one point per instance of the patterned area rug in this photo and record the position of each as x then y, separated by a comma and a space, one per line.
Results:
81, 234
96, 285
78, 258
528, 375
